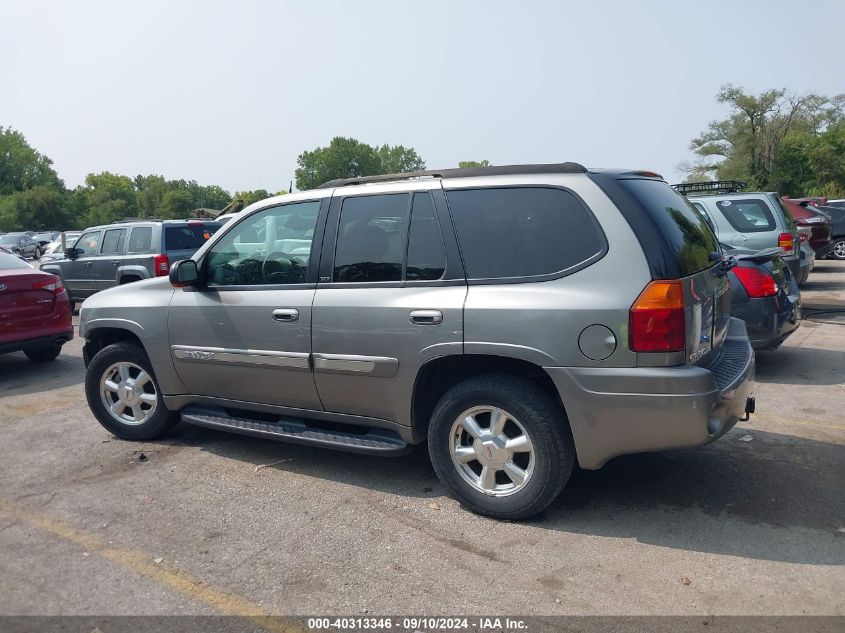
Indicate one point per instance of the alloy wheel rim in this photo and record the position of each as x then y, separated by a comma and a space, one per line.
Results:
128, 393
839, 249
491, 451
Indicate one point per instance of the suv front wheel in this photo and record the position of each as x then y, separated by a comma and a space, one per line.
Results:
501, 445
124, 395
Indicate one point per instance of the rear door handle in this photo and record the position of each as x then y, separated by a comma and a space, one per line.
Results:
88, 264
286, 314
426, 317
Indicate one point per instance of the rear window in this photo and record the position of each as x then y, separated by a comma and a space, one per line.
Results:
523, 231
185, 238
747, 216
11, 261
682, 225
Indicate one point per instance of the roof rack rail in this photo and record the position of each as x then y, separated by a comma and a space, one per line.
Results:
466, 172
711, 186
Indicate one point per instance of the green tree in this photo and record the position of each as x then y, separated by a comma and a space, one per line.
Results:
349, 158
22, 167
768, 140
473, 163
399, 159
35, 208
252, 196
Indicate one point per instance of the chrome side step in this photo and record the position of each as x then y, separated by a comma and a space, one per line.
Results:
297, 431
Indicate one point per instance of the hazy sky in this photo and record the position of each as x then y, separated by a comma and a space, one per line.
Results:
229, 93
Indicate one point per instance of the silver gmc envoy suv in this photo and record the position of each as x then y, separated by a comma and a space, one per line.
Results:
519, 319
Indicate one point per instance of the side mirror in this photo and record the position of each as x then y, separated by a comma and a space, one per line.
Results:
70, 253
184, 273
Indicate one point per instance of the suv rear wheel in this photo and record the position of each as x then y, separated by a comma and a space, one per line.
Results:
838, 251
501, 445
124, 395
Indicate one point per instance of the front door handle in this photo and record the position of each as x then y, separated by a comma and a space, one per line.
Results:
426, 317
88, 264
286, 314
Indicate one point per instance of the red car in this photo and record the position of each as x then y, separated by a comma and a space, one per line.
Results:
820, 235
35, 313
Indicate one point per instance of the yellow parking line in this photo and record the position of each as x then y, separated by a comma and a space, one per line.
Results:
143, 564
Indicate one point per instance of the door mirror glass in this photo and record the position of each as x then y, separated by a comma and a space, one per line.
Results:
184, 273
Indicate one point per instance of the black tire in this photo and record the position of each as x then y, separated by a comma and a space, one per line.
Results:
838, 242
128, 279
43, 354
542, 419
37, 252
161, 420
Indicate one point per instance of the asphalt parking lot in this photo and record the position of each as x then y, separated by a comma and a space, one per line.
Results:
210, 523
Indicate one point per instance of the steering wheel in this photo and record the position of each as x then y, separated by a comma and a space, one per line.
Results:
273, 267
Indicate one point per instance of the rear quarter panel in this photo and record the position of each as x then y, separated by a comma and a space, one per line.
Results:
540, 322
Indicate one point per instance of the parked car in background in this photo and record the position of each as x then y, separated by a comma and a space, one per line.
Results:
21, 244
819, 223
54, 250
749, 220
839, 203
123, 252
45, 237
8, 251
765, 295
836, 215
35, 314
519, 318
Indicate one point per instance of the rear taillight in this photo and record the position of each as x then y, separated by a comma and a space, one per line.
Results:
161, 265
756, 282
53, 284
656, 320
786, 242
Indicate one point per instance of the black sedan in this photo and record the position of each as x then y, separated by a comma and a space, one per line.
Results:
21, 244
765, 295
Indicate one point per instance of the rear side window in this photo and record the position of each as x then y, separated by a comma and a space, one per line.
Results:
113, 242
747, 216
682, 226
371, 238
187, 238
426, 252
523, 231
141, 239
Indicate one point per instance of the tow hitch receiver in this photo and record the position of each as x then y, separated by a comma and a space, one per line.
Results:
749, 409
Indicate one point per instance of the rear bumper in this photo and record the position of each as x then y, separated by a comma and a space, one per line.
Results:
614, 411
35, 343
769, 320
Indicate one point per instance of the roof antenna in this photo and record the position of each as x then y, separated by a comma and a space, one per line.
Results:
290, 189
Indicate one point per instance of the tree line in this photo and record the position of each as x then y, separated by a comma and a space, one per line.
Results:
774, 141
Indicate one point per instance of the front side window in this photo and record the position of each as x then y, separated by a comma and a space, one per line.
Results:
88, 244
270, 247
522, 231
747, 216
371, 238
113, 241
